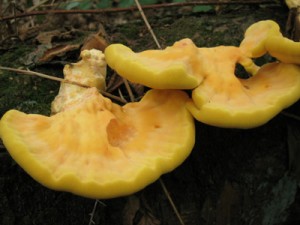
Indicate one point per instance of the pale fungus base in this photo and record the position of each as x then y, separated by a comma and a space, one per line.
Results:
99, 149
90, 71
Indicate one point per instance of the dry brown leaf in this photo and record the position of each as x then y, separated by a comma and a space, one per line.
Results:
46, 37
94, 41
57, 51
97, 41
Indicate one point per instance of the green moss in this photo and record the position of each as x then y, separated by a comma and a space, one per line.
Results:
23, 92
14, 56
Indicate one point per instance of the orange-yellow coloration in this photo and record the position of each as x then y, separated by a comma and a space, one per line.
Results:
99, 149
265, 37
226, 101
161, 69
256, 37
220, 98
284, 49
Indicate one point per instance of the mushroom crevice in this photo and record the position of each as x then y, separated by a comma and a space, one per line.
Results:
219, 97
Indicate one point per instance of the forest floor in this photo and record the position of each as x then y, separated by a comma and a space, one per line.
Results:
233, 176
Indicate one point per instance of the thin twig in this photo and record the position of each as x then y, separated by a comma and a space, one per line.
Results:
91, 221
147, 23
121, 95
113, 97
32, 73
131, 96
92, 214
171, 201
155, 6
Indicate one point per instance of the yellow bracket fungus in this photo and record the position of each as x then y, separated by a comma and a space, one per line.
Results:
220, 98
225, 101
161, 69
99, 149
95, 148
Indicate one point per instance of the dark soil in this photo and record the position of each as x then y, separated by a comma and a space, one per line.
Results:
233, 176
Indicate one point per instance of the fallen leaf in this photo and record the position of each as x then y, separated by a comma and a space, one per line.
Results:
94, 41
59, 50
97, 41
46, 37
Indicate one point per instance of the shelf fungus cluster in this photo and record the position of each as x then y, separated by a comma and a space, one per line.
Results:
95, 148
219, 97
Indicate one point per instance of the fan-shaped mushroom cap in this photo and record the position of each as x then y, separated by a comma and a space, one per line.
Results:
97, 148
161, 69
226, 101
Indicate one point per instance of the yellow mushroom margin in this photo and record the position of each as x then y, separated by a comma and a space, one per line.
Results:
265, 37
169, 68
99, 149
247, 103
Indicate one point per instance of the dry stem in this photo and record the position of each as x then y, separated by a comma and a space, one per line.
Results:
147, 23
155, 6
32, 73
